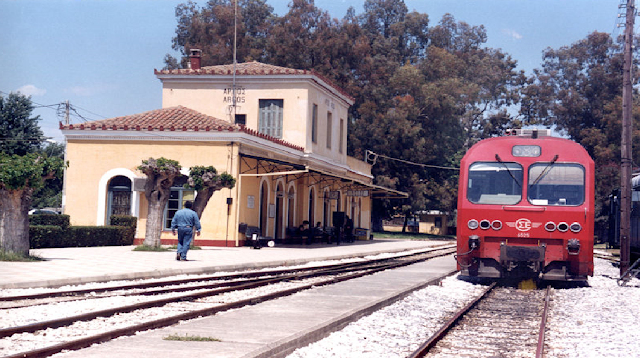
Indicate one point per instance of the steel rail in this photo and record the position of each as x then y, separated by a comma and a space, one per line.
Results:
436, 337
543, 324
165, 283
87, 341
66, 321
613, 259
168, 321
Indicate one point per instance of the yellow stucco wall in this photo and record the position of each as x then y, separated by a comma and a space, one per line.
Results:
298, 98
90, 161
94, 162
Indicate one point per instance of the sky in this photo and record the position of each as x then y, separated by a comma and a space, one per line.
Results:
100, 55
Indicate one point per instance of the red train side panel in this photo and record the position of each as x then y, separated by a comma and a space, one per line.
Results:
526, 209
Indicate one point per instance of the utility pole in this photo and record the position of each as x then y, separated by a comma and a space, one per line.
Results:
626, 145
66, 112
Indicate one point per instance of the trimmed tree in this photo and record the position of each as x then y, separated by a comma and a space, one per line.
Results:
19, 177
206, 181
161, 174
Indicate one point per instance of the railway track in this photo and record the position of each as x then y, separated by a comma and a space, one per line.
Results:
202, 297
611, 258
500, 322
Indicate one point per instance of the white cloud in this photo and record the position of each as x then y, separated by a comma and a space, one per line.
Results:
512, 33
31, 90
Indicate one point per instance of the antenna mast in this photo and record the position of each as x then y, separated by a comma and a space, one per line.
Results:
235, 36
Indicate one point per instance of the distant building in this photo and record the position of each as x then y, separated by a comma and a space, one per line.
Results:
433, 222
281, 132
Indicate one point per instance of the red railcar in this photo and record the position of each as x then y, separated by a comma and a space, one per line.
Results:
526, 209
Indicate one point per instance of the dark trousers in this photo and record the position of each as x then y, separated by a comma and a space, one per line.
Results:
185, 235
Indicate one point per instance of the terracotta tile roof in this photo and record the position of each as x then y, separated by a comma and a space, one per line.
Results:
173, 118
251, 69
177, 118
245, 68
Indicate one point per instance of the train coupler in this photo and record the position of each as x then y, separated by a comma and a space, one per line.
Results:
531, 257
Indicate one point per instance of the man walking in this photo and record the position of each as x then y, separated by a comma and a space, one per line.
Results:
185, 220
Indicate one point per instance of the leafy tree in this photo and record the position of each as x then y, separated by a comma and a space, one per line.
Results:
211, 29
20, 175
50, 195
422, 94
161, 174
431, 110
301, 37
207, 181
578, 91
19, 131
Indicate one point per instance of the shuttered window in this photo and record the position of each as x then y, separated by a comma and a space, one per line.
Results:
329, 129
341, 135
314, 124
270, 119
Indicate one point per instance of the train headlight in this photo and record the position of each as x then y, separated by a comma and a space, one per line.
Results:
496, 224
472, 224
550, 226
575, 227
563, 227
573, 246
525, 151
485, 224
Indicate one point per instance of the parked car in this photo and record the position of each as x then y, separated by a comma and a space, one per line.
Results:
43, 211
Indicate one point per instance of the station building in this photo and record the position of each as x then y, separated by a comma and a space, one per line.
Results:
281, 132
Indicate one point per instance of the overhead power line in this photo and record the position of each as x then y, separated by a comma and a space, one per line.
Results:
65, 111
373, 157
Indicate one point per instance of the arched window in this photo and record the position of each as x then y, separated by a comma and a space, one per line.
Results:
326, 209
356, 222
311, 205
264, 205
119, 197
279, 211
291, 207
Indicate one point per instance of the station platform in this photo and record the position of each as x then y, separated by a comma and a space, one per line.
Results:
72, 266
275, 328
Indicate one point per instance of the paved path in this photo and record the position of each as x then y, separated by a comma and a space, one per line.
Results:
65, 266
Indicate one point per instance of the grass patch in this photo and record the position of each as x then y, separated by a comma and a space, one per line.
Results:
151, 248
191, 247
12, 256
188, 338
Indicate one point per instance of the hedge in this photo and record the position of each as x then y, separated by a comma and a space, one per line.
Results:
129, 223
45, 236
88, 236
49, 219
57, 233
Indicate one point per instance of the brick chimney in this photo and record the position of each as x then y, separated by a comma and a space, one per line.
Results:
194, 57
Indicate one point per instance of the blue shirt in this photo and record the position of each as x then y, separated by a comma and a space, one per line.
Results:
185, 217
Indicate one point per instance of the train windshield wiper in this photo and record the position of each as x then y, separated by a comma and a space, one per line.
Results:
545, 170
508, 170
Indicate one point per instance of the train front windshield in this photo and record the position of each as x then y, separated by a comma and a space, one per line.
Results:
556, 184
495, 183
500, 183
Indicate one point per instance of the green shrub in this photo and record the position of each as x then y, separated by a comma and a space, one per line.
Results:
45, 236
49, 219
47, 231
129, 223
87, 236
